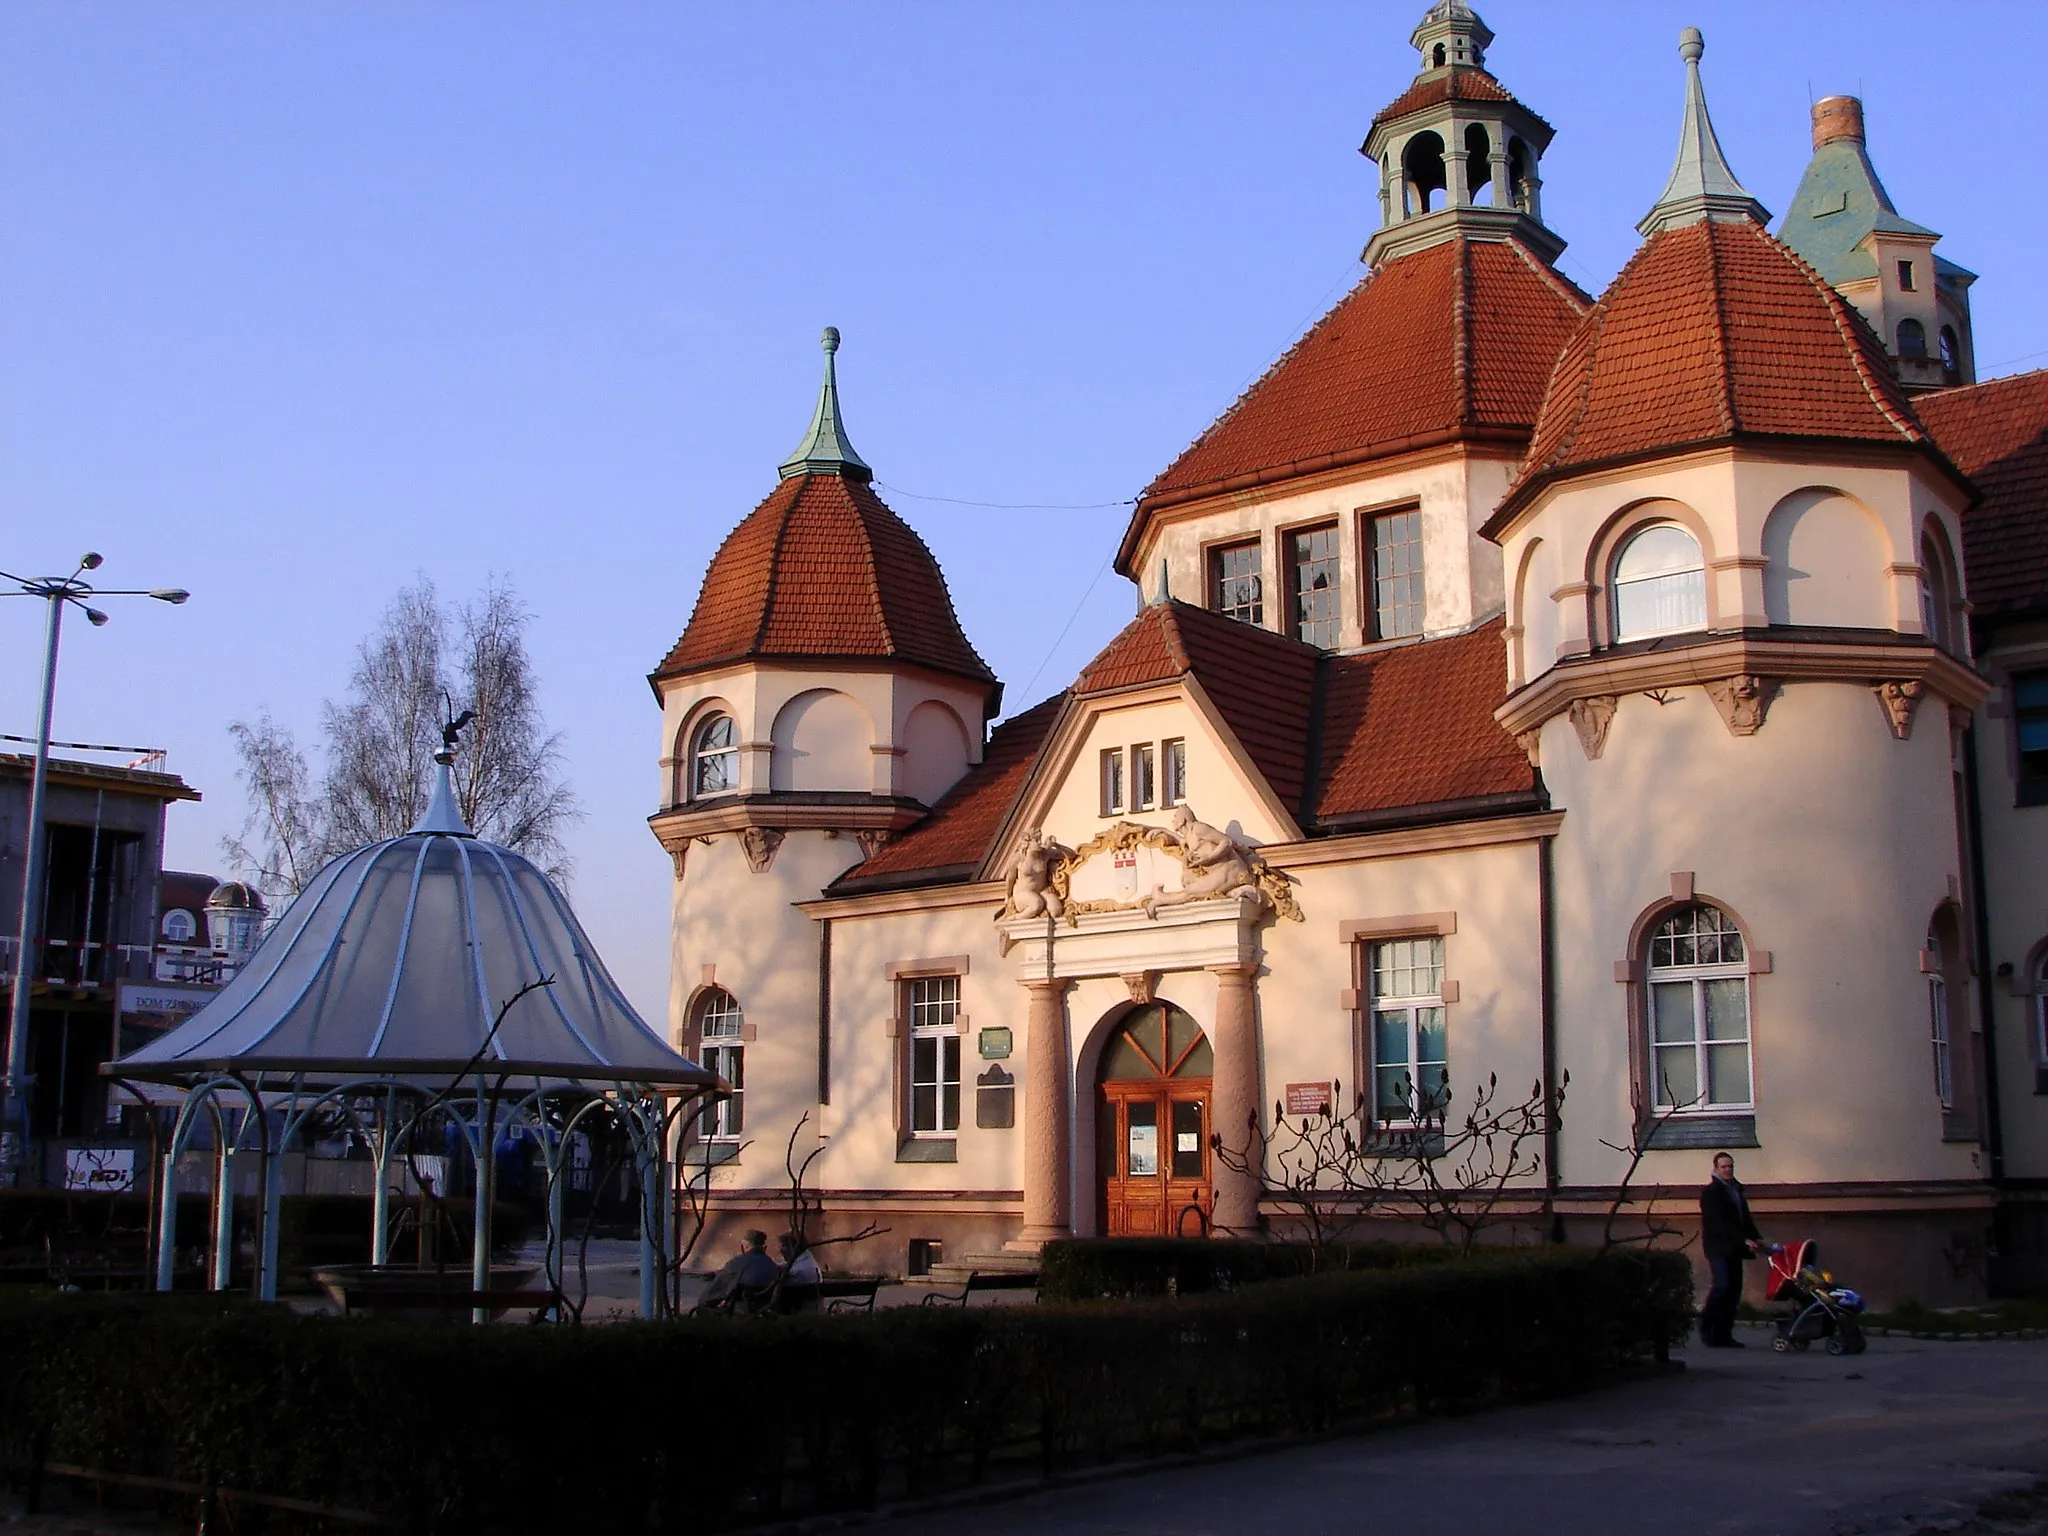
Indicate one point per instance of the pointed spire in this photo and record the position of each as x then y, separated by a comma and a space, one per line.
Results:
825, 449
1701, 185
442, 814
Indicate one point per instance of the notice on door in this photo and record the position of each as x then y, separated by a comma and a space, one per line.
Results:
1144, 1151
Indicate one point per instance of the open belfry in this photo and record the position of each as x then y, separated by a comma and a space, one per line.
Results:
1647, 691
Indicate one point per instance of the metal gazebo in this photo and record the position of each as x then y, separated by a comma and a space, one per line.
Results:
428, 975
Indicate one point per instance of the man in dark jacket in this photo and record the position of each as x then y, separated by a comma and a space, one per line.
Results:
1728, 1235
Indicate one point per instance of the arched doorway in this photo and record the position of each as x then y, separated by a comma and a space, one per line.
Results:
1152, 1120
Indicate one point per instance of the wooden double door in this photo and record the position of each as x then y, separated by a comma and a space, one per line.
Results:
1152, 1120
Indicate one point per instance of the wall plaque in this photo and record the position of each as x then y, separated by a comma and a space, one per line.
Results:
995, 1044
995, 1100
1308, 1098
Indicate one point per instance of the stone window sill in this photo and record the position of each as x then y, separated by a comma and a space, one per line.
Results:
1697, 1132
928, 1149
710, 1154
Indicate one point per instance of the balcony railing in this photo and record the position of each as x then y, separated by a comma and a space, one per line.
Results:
79, 962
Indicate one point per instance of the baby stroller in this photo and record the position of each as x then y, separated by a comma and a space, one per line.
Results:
1820, 1308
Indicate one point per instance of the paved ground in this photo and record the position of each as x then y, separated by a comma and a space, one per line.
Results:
1912, 1436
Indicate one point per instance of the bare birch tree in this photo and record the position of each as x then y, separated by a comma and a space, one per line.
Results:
422, 663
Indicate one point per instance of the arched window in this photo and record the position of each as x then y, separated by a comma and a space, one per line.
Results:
179, 926
721, 1027
1440, 56
1698, 981
1518, 174
1937, 1021
1934, 592
1660, 584
1478, 161
2040, 1029
1912, 339
715, 758
1422, 166
1951, 355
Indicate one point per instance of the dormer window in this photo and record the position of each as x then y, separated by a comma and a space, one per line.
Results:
1234, 584
179, 926
1906, 276
715, 758
1660, 584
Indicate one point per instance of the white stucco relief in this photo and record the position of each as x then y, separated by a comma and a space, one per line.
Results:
1133, 867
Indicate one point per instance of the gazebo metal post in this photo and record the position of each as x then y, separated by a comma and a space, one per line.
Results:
484, 1150
273, 1196
380, 1164
224, 1208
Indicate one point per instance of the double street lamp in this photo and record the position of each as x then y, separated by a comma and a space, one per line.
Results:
56, 591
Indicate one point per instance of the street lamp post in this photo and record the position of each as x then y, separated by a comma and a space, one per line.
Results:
56, 591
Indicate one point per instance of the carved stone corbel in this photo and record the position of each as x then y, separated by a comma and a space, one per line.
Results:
1898, 700
1143, 986
872, 842
759, 845
1531, 742
1590, 718
1743, 700
678, 855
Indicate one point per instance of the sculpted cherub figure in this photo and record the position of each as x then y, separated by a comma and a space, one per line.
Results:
1212, 864
1031, 871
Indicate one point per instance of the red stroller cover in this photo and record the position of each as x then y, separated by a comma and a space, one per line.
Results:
1786, 1264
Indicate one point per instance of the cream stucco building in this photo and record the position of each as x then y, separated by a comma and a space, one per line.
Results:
1652, 690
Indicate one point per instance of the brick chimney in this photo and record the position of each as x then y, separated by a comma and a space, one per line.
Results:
1837, 117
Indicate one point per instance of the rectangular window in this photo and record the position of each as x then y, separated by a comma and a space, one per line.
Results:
1144, 777
1409, 1045
1113, 782
2030, 721
725, 1119
934, 1005
1234, 583
1312, 585
1176, 772
1396, 575
1906, 276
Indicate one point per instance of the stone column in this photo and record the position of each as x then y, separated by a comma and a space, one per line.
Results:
1497, 172
1457, 184
1235, 1040
1048, 1115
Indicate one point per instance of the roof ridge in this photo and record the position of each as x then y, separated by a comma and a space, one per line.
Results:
1564, 287
1462, 351
864, 515
1595, 322
1176, 647
774, 564
1859, 352
1721, 351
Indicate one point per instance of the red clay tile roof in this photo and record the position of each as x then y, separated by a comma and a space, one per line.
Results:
1997, 434
823, 570
1262, 684
1454, 84
1452, 341
957, 833
1414, 726
1714, 331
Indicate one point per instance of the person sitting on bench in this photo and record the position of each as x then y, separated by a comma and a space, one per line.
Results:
800, 1276
750, 1271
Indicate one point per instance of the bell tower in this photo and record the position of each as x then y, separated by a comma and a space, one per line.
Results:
1457, 154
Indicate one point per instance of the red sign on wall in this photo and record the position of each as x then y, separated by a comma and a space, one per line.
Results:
1308, 1098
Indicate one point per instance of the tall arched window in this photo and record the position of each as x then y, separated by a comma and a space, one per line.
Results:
715, 758
1937, 1022
1660, 584
721, 1027
1951, 355
1912, 339
1698, 1002
1934, 592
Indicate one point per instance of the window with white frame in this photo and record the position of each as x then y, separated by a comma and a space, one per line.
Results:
933, 1003
715, 758
720, 1028
1235, 585
1396, 574
1660, 584
179, 926
1698, 1000
1937, 1022
1410, 1056
1144, 776
1112, 781
1176, 764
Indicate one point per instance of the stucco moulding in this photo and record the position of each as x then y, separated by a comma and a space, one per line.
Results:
1899, 700
1742, 701
1133, 867
1757, 655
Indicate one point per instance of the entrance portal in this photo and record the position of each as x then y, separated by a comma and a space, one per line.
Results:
1153, 1125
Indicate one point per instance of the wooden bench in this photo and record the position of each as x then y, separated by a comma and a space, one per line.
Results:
984, 1280
113, 1259
850, 1293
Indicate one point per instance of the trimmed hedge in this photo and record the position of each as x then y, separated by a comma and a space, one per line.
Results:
706, 1425
1098, 1268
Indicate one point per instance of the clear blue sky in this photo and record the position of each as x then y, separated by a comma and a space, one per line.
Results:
299, 300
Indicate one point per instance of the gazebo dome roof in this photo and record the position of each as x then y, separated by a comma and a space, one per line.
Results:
394, 962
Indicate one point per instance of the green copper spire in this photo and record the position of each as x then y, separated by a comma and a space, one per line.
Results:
1701, 185
825, 449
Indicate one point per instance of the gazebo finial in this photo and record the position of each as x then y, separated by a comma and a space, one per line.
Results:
443, 815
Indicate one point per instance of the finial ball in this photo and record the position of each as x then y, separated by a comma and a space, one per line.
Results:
1691, 45
831, 338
